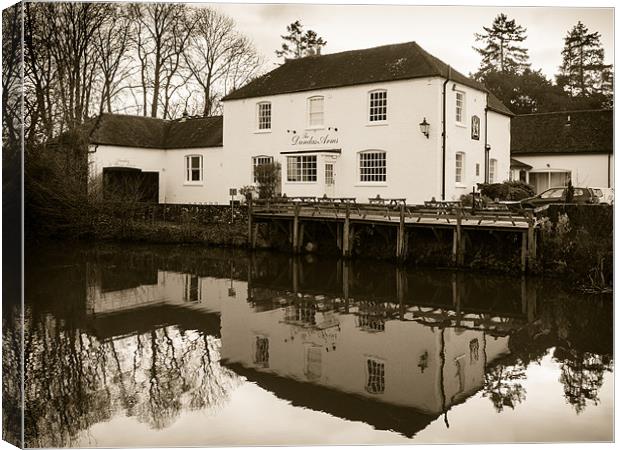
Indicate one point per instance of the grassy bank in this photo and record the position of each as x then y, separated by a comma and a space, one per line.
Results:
575, 241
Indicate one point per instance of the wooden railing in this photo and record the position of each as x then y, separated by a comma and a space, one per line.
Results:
442, 212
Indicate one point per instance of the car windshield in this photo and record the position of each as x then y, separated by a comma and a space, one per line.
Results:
598, 192
552, 193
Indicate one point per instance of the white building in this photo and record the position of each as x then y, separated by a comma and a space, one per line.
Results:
347, 124
549, 149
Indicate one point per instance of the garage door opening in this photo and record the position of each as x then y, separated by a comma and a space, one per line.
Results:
130, 185
543, 180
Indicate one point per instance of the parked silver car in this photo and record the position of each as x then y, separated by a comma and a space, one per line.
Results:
605, 195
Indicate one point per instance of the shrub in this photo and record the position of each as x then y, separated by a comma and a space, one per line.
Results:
268, 179
508, 190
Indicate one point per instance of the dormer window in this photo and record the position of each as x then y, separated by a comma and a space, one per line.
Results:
264, 116
315, 112
377, 101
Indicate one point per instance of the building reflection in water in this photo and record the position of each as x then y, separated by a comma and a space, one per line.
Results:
154, 335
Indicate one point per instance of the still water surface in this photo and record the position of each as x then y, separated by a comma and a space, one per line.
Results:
173, 346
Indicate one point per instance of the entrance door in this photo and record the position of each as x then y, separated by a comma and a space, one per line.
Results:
330, 179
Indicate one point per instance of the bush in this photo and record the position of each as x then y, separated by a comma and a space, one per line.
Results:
268, 179
508, 190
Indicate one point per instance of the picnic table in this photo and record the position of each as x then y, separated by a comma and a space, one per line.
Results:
387, 201
326, 199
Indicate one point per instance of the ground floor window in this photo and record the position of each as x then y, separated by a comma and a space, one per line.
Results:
459, 173
193, 168
492, 170
191, 289
372, 166
261, 351
301, 168
260, 161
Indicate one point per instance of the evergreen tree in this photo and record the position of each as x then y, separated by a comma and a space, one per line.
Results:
298, 44
501, 51
583, 72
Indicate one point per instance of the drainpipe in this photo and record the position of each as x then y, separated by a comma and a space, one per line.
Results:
443, 138
486, 144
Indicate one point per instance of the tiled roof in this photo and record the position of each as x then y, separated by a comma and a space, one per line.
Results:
516, 164
386, 63
563, 132
146, 132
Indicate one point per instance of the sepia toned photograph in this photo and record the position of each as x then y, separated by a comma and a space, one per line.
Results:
297, 224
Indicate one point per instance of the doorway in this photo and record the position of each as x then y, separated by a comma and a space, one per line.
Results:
330, 179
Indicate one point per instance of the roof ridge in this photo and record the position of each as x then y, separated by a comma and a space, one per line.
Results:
135, 116
572, 111
432, 60
293, 60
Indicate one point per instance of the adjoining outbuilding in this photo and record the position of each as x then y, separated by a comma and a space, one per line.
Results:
549, 149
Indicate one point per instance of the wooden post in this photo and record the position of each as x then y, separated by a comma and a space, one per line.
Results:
300, 238
524, 238
460, 244
401, 290
254, 235
346, 231
250, 224
456, 297
401, 250
531, 245
345, 284
295, 242
458, 253
339, 235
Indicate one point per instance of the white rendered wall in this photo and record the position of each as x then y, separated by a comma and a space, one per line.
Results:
458, 139
587, 170
413, 161
170, 164
499, 139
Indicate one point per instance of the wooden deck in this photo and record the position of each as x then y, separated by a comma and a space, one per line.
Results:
345, 213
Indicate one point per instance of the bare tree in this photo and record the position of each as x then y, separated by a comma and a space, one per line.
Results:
11, 77
113, 44
218, 57
161, 35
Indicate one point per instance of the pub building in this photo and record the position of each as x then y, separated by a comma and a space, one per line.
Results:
390, 121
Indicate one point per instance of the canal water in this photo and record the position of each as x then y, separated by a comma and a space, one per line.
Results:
181, 346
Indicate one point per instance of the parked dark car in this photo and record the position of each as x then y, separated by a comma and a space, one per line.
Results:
558, 195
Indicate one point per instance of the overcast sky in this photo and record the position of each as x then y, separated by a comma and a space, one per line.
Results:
445, 31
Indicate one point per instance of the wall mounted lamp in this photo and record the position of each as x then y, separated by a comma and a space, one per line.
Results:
425, 127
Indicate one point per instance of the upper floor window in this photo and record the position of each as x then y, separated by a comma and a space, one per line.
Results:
372, 166
459, 174
460, 107
377, 106
492, 170
315, 112
301, 168
260, 161
193, 168
264, 116
375, 376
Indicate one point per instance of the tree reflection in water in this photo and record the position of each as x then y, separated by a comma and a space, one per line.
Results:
502, 386
85, 366
74, 381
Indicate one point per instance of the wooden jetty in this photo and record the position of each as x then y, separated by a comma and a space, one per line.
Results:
343, 214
